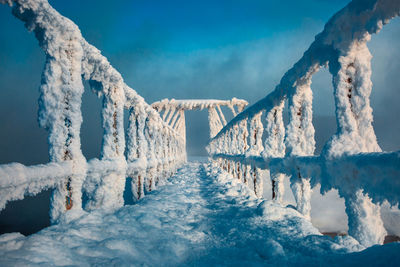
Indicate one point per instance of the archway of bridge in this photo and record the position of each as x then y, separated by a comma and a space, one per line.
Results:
198, 126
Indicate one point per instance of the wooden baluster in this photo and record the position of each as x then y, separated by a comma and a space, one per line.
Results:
274, 145
352, 87
300, 142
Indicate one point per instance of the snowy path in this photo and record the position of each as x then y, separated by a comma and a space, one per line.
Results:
197, 218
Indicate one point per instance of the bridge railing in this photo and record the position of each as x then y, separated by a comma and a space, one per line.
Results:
153, 149
171, 109
256, 141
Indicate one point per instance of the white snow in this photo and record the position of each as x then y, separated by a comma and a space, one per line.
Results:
200, 217
342, 47
69, 58
205, 215
18, 180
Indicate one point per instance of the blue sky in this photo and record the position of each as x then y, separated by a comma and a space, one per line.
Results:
186, 49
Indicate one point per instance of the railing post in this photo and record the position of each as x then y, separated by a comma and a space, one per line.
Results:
60, 114
108, 194
255, 148
242, 142
300, 142
233, 149
214, 122
274, 146
151, 157
137, 148
352, 87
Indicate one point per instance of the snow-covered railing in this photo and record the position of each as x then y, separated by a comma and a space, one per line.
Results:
173, 112
351, 160
153, 149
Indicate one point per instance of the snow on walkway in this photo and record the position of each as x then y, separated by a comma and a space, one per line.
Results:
198, 218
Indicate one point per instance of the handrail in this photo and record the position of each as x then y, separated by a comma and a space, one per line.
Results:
249, 144
69, 58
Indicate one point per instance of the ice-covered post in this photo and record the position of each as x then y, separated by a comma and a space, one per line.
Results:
60, 113
300, 141
234, 148
214, 122
255, 148
60, 97
274, 146
181, 125
170, 114
352, 87
159, 151
242, 147
222, 149
108, 194
150, 129
137, 147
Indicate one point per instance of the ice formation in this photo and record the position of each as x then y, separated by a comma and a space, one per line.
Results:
341, 47
351, 162
69, 58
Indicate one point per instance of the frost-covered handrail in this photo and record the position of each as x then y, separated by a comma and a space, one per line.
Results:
377, 174
153, 150
191, 104
173, 112
256, 141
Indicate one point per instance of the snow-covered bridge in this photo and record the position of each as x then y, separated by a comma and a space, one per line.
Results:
213, 212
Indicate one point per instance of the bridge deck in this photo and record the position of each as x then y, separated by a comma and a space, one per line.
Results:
197, 218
